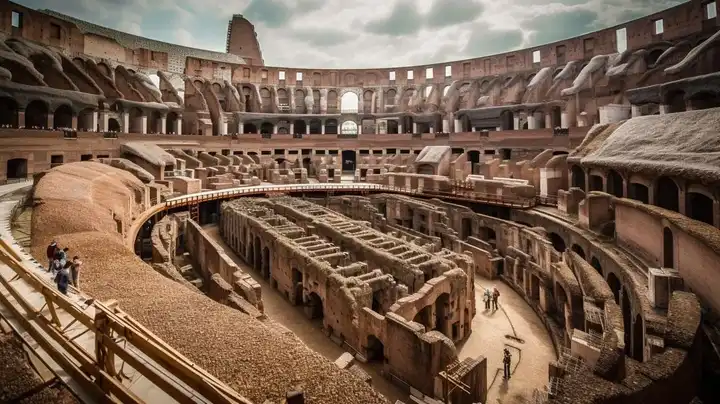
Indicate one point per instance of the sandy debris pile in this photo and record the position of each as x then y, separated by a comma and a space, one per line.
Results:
252, 358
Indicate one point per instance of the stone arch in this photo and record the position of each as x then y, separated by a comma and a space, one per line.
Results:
595, 263
667, 194
331, 127
557, 241
252, 128
79, 63
113, 125
349, 103
332, 102
390, 96
639, 192
675, 100
36, 114
300, 107
615, 184
507, 120
652, 57
154, 122
63, 117
17, 169
375, 350
596, 182
349, 128
615, 285
8, 112
136, 118
171, 122
104, 69
266, 99
299, 127
217, 89
315, 126
86, 119
392, 127
704, 99
283, 99
668, 248
699, 205
367, 101
577, 249
315, 309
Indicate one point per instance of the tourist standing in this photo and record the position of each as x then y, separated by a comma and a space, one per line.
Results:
507, 358
62, 278
51, 251
75, 271
495, 296
487, 298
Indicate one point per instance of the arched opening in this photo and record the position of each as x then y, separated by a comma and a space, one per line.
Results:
349, 103
577, 176
113, 125
137, 120
314, 308
8, 112
704, 100
300, 107
667, 194
507, 120
639, 192
349, 128
699, 207
392, 127
375, 350
615, 184
315, 127
557, 241
473, 156
283, 100
556, 117
614, 284
390, 97
266, 265
627, 321
466, 228
331, 127
442, 311
349, 158
307, 164
297, 279
578, 250
171, 122
652, 57
299, 127
596, 183
85, 120
560, 301
154, 124
36, 115
668, 248
16, 169
595, 263
266, 128
638, 336
426, 169
63, 117
257, 255
266, 99
675, 101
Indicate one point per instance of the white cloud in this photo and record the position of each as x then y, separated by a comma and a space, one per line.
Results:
339, 33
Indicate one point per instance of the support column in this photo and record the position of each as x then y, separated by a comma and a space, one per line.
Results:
50, 121
143, 124
177, 128
458, 126
548, 121
103, 121
292, 128
359, 129
415, 128
532, 122
636, 111
125, 122
446, 125
74, 122
400, 128
275, 129
516, 122
94, 122
21, 118
664, 109
241, 127
322, 128
431, 129
565, 120
163, 125
307, 128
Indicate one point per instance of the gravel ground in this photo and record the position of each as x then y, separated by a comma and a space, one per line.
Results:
257, 361
18, 377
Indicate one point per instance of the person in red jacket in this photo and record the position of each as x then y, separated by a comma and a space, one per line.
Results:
51, 250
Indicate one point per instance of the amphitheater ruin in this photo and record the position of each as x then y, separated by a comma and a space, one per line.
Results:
257, 234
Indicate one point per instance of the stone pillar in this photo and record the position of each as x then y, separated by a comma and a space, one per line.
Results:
50, 121
74, 122
307, 128
473, 129
102, 121
432, 129
664, 109
21, 118
125, 122
636, 111
275, 129
359, 129
400, 128
94, 122
564, 120
292, 128
548, 121
532, 122
177, 128
446, 125
322, 128
458, 126
143, 124
163, 125
241, 127
415, 128
516, 122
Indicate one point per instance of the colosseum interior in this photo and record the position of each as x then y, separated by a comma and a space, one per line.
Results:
257, 234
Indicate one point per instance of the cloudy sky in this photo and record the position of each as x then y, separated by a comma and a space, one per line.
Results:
364, 33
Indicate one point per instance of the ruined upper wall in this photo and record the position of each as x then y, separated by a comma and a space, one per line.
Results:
77, 36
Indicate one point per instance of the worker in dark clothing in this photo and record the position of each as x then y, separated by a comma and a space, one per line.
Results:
506, 364
62, 278
51, 250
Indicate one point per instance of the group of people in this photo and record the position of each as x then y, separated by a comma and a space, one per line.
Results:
65, 272
491, 298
